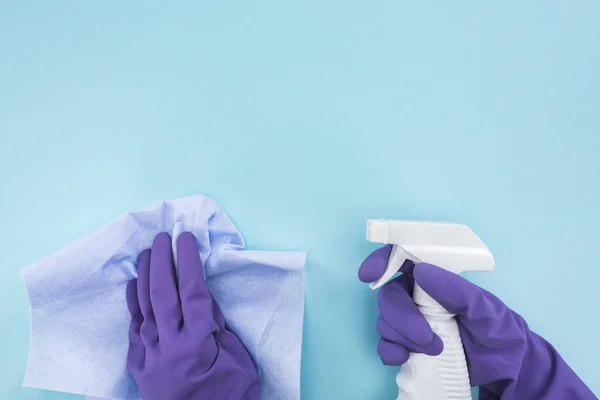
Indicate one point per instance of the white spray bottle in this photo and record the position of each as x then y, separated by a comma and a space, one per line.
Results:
455, 248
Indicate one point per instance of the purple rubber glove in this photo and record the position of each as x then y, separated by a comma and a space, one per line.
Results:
506, 360
179, 348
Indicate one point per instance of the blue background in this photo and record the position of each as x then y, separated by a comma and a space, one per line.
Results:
304, 119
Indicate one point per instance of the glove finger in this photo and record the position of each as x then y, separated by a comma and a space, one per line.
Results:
136, 352
374, 265
397, 307
133, 305
163, 286
196, 300
390, 334
148, 329
197, 303
452, 291
392, 353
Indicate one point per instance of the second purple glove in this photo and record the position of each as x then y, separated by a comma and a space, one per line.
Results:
506, 360
179, 347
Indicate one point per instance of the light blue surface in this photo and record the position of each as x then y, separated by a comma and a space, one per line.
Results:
303, 120
79, 313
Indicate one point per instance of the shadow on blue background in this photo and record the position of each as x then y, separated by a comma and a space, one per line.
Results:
303, 120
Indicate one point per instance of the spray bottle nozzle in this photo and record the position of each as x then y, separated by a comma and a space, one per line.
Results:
453, 247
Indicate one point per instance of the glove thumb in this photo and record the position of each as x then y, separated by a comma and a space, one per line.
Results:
452, 291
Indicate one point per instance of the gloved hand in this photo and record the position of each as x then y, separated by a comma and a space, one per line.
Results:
179, 347
506, 360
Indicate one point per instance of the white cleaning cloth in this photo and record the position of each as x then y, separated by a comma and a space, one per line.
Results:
79, 317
